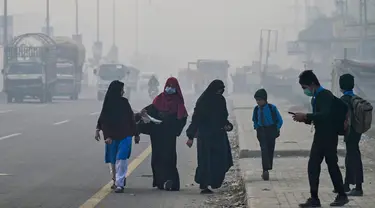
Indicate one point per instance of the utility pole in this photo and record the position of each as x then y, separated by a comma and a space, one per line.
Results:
47, 19
263, 70
5, 33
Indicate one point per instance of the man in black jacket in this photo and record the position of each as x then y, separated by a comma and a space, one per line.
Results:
325, 141
353, 160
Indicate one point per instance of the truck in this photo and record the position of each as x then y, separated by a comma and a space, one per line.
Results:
30, 69
106, 73
70, 62
207, 71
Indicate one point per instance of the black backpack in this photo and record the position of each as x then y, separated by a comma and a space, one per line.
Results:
273, 114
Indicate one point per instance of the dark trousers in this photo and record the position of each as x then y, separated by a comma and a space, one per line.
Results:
324, 148
353, 160
267, 140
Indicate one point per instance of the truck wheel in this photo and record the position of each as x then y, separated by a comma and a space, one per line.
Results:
19, 99
9, 98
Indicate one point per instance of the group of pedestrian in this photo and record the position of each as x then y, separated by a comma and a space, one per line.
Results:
348, 116
209, 127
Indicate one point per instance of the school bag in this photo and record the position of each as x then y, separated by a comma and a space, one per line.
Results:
361, 114
273, 114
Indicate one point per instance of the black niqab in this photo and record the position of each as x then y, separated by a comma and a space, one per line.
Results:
212, 102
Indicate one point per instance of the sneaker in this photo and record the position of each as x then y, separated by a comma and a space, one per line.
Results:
339, 201
355, 192
266, 175
206, 191
311, 202
119, 190
113, 186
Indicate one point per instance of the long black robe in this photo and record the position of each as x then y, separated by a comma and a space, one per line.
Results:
163, 142
214, 151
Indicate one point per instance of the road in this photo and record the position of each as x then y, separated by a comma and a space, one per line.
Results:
49, 159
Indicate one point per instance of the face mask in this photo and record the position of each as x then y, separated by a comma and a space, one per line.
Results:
170, 90
308, 92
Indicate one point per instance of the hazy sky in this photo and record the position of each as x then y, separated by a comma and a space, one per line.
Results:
182, 30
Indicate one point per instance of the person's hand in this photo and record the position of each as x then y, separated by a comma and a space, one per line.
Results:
300, 117
108, 141
189, 143
97, 135
137, 139
143, 112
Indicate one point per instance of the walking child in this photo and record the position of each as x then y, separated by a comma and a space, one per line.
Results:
267, 123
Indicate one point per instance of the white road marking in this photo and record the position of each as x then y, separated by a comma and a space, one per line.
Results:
10, 136
94, 113
5, 174
61, 122
5, 111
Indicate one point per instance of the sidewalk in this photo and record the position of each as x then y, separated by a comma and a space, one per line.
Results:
288, 185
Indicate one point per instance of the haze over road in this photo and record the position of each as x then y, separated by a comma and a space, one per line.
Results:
49, 158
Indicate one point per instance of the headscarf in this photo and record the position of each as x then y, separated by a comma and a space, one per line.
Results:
171, 103
210, 100
113, 108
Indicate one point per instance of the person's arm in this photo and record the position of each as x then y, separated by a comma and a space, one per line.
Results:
180, 125
279, 118
255, 123
193, 127
324, 103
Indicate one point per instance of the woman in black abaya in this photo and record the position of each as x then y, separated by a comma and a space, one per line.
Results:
210, 125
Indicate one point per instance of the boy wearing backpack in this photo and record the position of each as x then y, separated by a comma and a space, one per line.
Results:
267, 123
360, 118
324, 146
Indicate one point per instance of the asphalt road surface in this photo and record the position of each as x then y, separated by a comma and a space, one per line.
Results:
49, 159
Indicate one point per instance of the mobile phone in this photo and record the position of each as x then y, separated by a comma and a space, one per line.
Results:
291, 113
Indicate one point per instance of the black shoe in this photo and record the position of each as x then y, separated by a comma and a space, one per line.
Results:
311, 202
266, 175
113, 186
339, 201
168, 185
206, 191
355, 192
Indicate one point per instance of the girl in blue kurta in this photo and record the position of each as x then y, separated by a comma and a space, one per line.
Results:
117, 122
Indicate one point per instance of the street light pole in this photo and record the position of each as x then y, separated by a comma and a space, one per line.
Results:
47, 19
5, 32
136, 27
114, 22
97, 20
77, 18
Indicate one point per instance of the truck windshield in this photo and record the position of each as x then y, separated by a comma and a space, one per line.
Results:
112, 72
65, 69
25, 68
